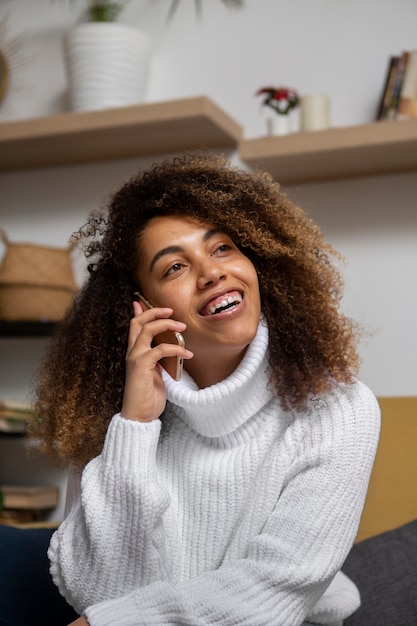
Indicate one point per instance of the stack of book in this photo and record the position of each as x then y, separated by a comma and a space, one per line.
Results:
20, 505
399, 95
14, 416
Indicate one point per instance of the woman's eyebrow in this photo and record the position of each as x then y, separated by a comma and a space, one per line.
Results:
211, 233
172, 249
167, 250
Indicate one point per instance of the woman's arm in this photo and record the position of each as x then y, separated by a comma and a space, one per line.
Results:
116, 518
117, 513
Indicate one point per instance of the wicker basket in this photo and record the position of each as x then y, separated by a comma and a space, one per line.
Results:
36, 282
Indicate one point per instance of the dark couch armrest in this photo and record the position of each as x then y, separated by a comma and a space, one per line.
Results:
28, 596
385, 570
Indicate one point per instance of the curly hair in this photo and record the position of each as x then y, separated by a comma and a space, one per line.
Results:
312, 345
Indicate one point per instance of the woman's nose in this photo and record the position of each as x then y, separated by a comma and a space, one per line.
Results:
210, 273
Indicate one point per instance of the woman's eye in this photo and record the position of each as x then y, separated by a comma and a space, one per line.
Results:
174, 268
223, 248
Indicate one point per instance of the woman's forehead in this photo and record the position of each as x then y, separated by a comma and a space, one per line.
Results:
172, 232
166, 228
161, 222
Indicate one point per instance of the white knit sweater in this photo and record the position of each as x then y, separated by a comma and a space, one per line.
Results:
236, 513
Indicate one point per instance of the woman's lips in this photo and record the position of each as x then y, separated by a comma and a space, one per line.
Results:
222, 302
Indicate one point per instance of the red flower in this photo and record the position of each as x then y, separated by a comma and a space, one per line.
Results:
280, 99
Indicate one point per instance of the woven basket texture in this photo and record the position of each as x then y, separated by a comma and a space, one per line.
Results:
36, 282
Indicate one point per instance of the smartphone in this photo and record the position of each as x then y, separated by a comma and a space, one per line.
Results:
171, 364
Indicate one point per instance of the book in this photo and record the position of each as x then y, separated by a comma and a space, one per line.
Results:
388, 88
18, 517
14, 416
15, 407
397, 86
13, 497
407, 105
13, 424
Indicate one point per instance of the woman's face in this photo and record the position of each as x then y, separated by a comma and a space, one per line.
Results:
198, 271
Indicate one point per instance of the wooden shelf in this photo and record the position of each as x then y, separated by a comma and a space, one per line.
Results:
378, 148
146, 129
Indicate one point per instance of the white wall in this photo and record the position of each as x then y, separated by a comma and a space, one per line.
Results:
373, 222
340, 47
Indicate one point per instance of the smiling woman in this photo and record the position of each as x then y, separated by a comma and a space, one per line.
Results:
209, 284
233, 495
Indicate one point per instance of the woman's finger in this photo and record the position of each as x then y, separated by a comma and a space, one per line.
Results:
142, 317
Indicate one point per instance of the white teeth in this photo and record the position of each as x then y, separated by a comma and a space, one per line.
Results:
225, 302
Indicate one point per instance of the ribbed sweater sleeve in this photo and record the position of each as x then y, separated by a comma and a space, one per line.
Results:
303, 543
117, 518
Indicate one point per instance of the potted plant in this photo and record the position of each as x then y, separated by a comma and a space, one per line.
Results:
281, 100
102, 11
109, 10
108, 62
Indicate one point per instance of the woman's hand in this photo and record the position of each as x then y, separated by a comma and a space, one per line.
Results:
144, 395
81, 621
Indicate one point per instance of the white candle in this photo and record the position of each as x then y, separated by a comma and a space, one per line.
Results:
315, 112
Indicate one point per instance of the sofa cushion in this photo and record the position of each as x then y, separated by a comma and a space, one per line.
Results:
391, 499
384, 568
28, 596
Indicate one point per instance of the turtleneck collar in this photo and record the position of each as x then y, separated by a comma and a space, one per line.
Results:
221, 408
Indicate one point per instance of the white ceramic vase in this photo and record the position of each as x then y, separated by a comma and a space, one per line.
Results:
315, 112
107, 65
278, 125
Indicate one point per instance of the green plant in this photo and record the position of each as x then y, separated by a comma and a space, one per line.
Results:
109, 10
102, 11
230, 4
279, 99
